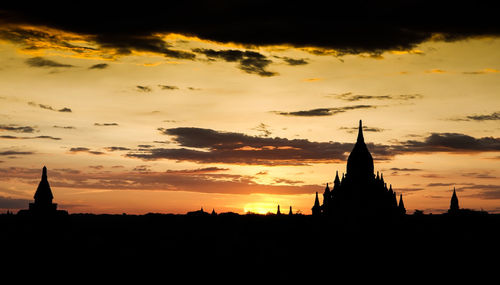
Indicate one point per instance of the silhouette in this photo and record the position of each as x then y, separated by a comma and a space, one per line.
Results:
290, 213
199, 213
454, 208
43, 205
316, 209
278, 211
359, 192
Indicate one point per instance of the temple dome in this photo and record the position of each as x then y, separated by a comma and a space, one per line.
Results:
360, 161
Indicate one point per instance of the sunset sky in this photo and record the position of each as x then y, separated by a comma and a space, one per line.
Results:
241, 107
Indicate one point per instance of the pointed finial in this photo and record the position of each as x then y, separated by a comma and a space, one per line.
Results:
360, 132
44, 172
316, 200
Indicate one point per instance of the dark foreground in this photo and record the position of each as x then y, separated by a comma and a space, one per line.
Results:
251, 245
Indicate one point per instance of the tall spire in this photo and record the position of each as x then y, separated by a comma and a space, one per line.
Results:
360, 132
337, 179
454, 202
360, 161
316, 209
401, 206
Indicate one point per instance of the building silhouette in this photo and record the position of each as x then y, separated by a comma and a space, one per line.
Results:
43, 206
360, 192
454, 208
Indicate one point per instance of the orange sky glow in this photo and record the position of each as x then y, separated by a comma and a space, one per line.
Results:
243, 128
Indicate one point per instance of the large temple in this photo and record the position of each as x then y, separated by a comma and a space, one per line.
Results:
359, 192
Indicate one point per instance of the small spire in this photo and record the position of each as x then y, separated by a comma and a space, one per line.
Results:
361, 139
316, 201
44, 172
290, 213
337, 180
378, 177
401, 206
278, 212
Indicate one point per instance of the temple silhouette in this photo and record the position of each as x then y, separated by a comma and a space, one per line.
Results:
43, 205
359, 192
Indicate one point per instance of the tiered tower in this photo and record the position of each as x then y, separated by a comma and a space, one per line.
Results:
360, 192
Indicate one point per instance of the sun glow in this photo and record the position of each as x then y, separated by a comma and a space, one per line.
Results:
260, 208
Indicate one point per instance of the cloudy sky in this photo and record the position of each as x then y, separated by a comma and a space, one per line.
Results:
241, 107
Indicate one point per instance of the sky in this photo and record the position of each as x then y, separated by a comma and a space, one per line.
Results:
245, 106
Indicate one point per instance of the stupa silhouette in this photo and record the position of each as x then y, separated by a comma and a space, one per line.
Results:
43, 205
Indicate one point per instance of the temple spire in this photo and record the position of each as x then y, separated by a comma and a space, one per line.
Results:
402, 209
44, 173
454, 203
337, 179
361, 139
316, 209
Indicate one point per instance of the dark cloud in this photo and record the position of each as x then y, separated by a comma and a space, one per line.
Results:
249, 61
451, 142
65, 109
483, 191
440, 184
204, 180
30, 138
369, 26
42, 62
116, 148
365, 129
287, 181
29, 38
99, 66
210, 146
84, 149
64, 127
324, 111
146, 89
144, 146
106, 124
47, 107
495, 116
142, 168
15, 152
404, 169
349, 96
198, 170
17, 129
168, 87
293, 61
96, 167
484, 175
13, 203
